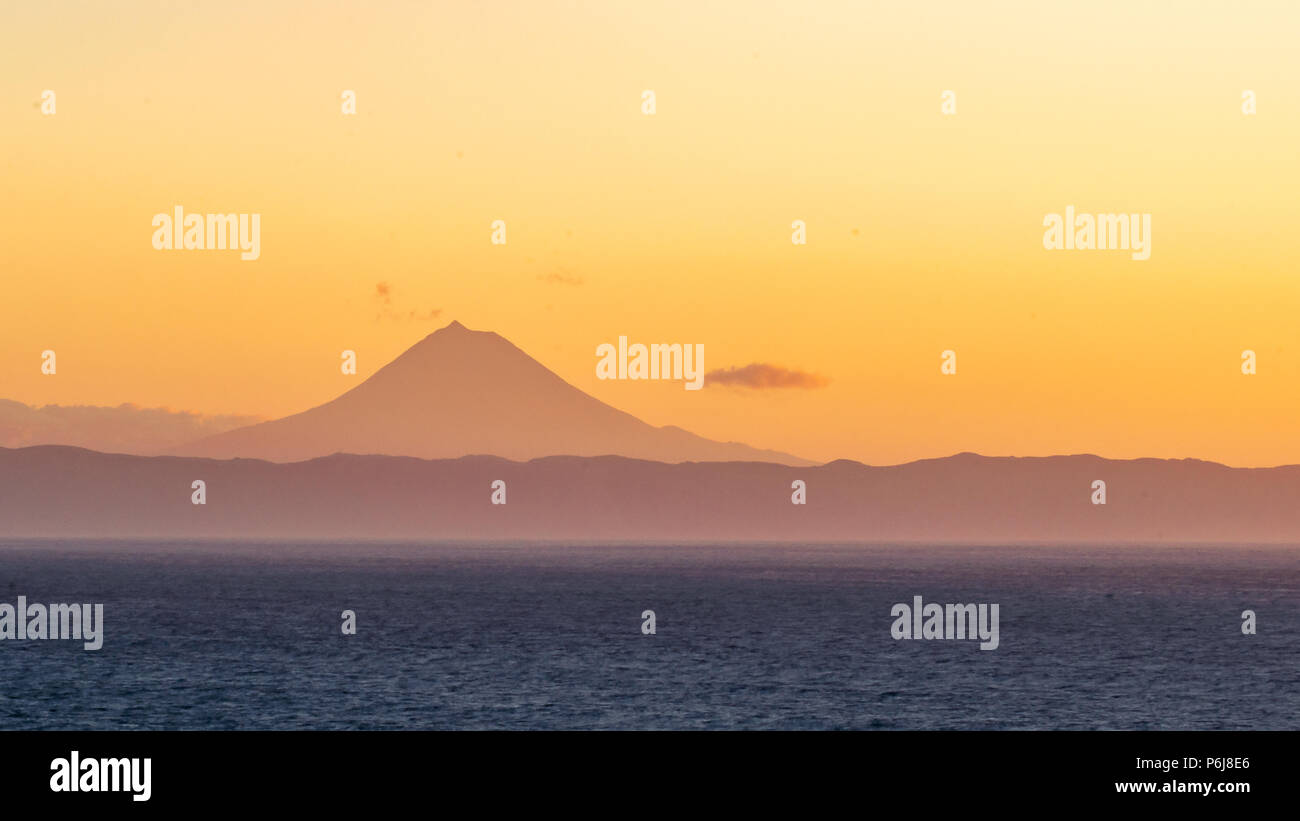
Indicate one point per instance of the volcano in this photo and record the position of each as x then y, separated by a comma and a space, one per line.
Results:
460, 392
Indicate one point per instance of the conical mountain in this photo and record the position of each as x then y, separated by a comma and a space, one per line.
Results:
459, 392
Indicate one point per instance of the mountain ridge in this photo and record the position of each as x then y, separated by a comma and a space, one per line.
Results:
56, 491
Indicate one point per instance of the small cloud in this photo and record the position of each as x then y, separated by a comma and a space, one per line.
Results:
384, 292
561, 277
761, 375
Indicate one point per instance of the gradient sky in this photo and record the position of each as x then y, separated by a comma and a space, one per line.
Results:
925, 231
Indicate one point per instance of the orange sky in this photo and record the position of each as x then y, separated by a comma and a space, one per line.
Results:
924, 230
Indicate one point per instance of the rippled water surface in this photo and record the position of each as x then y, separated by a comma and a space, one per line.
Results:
243, 636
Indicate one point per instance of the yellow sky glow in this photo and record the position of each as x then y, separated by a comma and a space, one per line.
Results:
924, 230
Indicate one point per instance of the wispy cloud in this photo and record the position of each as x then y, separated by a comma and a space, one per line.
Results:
762, 375
123, 429
561, 277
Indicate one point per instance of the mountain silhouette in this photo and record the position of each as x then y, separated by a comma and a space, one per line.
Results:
460, 392
63, 492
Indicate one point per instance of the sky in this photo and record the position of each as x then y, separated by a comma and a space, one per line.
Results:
924, 229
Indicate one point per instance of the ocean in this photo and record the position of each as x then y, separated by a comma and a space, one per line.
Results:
528, 636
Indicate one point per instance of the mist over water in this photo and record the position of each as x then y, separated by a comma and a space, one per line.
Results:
247, 636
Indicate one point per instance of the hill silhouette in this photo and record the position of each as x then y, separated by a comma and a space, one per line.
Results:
53, 491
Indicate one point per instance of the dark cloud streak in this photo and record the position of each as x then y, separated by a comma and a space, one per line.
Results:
762, 376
